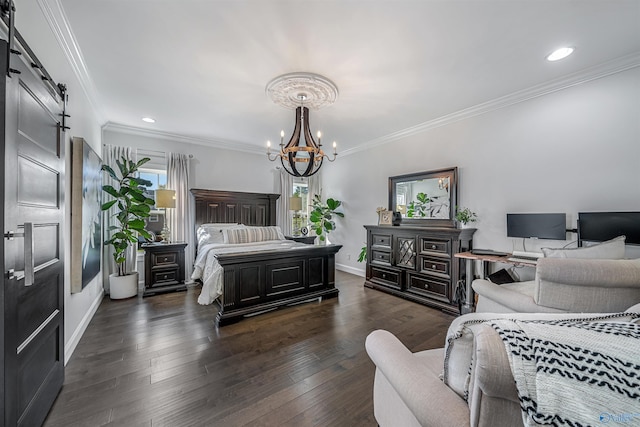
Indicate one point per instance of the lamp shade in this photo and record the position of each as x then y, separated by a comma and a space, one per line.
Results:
165, 198
295, 203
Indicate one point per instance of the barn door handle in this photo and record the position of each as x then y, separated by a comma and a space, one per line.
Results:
29, 265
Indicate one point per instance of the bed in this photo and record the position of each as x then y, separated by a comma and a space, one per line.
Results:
245, 278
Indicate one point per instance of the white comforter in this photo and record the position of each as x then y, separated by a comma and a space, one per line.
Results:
207, 268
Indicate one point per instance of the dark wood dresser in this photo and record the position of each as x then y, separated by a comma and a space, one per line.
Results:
163, 267
417, 263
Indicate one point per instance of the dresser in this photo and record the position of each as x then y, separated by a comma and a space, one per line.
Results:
163, 267
417, 263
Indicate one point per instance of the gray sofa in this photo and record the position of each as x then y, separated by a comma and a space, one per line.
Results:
408, 389
566, 285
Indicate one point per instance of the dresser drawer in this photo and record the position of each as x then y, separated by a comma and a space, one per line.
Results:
433, 266
163, 277
379, 257
439, 247
428, 287
164, 258
381, 240
385, 277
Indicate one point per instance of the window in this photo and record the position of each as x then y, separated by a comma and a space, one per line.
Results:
154, 171
302, 189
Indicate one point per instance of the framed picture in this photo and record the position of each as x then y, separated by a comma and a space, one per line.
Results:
86, 216
385, 218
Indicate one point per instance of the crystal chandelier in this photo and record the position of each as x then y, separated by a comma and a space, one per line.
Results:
302, 156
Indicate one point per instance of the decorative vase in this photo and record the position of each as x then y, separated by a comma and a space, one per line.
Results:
121, 287
319, 242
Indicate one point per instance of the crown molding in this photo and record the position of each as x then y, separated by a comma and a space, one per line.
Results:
57, 19
615, 66
150, 133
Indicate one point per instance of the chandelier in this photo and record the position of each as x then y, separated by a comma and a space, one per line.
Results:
301, 156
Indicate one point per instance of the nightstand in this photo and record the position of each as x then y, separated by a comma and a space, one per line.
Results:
309, 240
163, 267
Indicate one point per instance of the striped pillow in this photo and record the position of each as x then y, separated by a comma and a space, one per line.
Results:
252, 234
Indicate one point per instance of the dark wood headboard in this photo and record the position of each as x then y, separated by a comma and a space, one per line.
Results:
233, 206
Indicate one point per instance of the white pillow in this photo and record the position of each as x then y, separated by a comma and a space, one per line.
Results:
212, 233
252, 234
611, 249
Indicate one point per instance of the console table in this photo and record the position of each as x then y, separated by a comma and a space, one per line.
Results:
485, 259
417, 263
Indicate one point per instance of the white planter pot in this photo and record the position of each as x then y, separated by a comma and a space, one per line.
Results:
123, 286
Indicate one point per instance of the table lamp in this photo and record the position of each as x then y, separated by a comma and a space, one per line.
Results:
165, 199
295, 204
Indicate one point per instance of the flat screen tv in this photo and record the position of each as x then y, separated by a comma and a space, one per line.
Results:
601, 226
537, 225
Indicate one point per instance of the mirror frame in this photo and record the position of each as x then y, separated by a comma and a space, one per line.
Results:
452, 173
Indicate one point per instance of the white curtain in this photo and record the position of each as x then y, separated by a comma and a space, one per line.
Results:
181, 219
111, 153
283, 216
315, 186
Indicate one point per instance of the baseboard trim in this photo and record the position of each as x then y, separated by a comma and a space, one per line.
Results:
71, 345
348, 269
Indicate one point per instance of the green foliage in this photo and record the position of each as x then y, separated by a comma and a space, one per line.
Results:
363, 254
418, 208
321, 216
132, 208
465, 215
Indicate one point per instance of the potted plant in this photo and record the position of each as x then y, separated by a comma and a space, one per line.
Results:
465, 216
321, 217
132, 209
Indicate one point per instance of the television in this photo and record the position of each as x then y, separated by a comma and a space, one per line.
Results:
537, 225
601, 226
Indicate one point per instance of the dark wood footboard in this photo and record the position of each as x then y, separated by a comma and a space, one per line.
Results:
260, 281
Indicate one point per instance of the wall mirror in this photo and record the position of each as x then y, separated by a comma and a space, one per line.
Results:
425, 198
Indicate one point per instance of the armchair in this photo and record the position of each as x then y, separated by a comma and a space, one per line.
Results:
566, 285
477, 388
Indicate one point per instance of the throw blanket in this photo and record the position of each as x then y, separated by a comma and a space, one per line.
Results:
574, 373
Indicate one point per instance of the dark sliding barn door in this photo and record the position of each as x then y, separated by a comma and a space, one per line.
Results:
33, 215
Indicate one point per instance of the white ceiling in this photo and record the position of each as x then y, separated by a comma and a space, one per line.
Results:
200, 67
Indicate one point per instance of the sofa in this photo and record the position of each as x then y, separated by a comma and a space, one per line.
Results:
566, 285
469, 382
589, 279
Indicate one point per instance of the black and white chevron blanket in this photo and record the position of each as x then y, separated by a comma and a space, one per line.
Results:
574, 373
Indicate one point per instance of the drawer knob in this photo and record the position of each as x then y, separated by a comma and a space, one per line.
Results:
426, 286
433, 266
384, 276
433, 246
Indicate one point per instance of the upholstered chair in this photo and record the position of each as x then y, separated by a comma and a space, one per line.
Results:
466, 384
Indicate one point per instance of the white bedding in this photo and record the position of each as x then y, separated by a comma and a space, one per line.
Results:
207, 268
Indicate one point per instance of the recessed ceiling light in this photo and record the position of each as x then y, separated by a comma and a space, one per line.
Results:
148, 120
561, 53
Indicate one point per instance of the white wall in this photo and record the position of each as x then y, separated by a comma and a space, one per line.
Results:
80, 307
573, 150
212, 168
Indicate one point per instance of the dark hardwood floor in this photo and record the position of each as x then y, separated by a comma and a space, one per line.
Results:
160, 361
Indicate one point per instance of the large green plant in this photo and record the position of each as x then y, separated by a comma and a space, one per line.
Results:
321, 216
132, 208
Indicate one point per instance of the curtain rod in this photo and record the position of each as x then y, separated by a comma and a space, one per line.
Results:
152, 151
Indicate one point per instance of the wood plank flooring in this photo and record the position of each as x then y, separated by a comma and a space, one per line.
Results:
160, 361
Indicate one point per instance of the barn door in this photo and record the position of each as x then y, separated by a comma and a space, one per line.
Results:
33, 196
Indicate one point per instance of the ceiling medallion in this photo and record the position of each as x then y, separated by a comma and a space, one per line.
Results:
301, 156
286, 90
